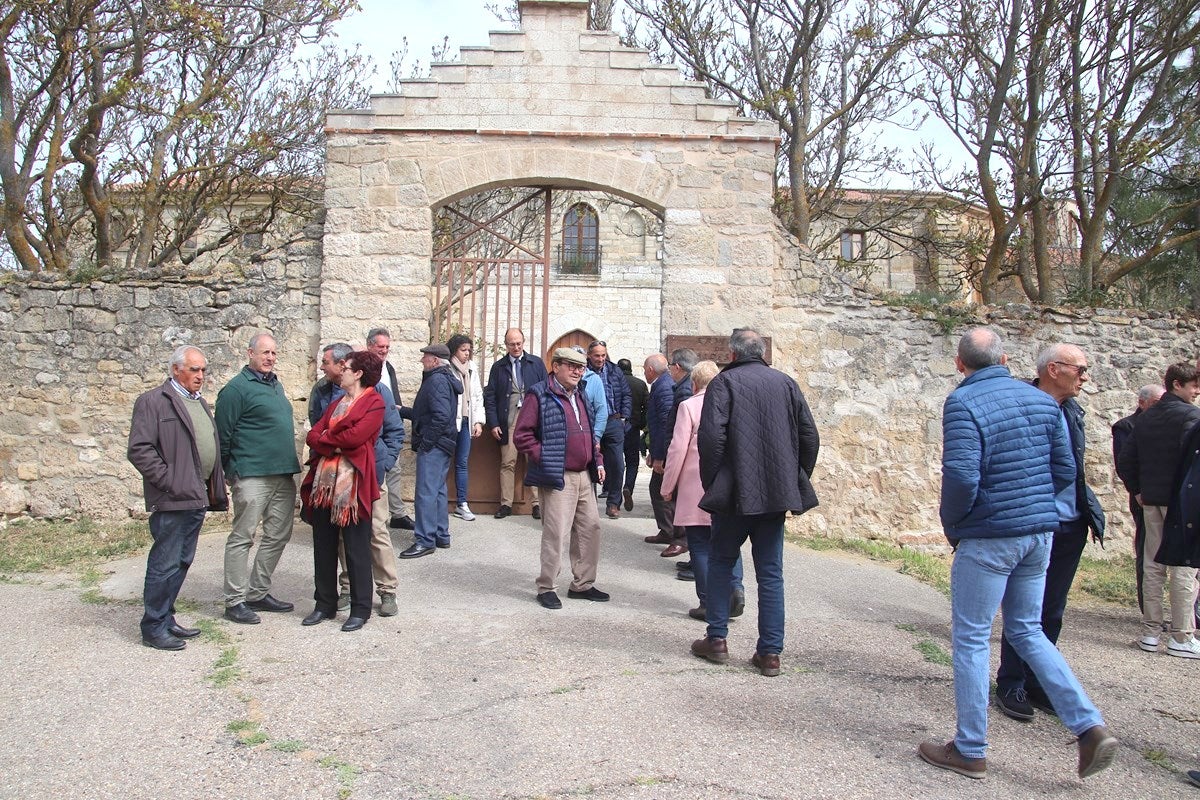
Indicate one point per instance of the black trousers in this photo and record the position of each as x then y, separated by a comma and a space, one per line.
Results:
612, 444
357, 541
1060, 573
633, 457
664, 511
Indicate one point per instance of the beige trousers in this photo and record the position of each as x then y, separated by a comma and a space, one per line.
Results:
1180, 583
570, 513
383, 556
508, 459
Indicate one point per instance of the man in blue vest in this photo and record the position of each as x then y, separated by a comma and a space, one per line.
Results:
554, 433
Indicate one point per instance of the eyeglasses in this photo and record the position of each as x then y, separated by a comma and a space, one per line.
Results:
598, 343
572, 367
1080, 369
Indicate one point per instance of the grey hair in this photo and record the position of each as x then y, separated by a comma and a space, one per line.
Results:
338, 350
746, 343
375, 333
1151, 391
180, 353
658, 363
980, 347
1052, 352
685, 358
256, 338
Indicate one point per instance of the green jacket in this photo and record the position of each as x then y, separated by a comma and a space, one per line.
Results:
255, 425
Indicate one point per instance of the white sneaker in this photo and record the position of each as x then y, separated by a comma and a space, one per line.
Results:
1188, 649
462, 511
1148, 643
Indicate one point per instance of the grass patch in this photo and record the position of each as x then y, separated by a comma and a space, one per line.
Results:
211, 631
347, 774
225, 671
1159, 758
248, 732
289, 746
565, 689
932, 570
932, 652
48, 545
1110, 579
907, 627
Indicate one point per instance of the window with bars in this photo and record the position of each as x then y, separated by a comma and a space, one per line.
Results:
579, 253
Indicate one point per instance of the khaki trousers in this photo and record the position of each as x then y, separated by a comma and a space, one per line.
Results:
1180, 582
383, 556
271, 500
570, 512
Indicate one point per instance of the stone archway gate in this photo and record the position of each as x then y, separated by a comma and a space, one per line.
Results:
552, 104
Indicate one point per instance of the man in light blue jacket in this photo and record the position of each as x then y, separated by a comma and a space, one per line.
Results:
1006, 455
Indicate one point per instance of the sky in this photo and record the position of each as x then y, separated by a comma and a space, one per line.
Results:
381, 25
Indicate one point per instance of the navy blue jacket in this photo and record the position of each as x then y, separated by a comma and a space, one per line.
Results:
616, 389
681, 391
495, 394
758, 443
434, 411
658, 409
1085, 499
547, 471
1181, 529
1005, 455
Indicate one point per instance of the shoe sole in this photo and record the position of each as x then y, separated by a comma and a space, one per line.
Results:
1182, 653
966, 773
1102, 759
243, 621
1148, 648
153, 646
1012, 713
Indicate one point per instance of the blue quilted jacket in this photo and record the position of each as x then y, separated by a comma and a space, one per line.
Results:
1005, 454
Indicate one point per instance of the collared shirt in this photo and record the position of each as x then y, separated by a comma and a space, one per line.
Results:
265, 377
184, 392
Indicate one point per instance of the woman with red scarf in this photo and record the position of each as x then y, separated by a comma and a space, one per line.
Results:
340, 487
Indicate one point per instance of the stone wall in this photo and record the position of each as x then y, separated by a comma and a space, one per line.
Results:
876, 377
75, 358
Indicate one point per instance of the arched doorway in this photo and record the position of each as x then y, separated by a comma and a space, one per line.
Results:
570, 339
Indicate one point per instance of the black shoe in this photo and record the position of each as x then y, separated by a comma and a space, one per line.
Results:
443, 545
1014, 703
549, 600
316, 617
241, 615
1193, 775
537, 512
164, 641
591, 594
416, 551
1039, 700
737, 603
502, 512
627, 496
353, 624
180, 632
683, 565
404, 523
268, 603
685, 575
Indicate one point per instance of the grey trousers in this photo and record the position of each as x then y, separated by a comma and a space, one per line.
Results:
271, 500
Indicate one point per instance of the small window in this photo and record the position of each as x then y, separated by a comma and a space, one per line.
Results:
580, 250
854, 244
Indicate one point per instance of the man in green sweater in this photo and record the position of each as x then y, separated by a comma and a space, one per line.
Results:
258, 454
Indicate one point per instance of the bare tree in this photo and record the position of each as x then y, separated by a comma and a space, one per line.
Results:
135, 126
828, 73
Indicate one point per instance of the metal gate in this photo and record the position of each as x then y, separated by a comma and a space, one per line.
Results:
488, 278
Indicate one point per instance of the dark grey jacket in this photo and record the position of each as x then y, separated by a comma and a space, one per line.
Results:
758, 443
1149, 458
162, 447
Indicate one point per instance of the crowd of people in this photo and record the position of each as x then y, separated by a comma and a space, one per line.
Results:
731, 451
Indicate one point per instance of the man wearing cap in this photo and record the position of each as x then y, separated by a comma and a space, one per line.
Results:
434, 438
554, 433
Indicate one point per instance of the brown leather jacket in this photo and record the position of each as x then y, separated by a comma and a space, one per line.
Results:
162, 447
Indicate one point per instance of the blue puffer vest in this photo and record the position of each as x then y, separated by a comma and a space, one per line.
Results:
552, 433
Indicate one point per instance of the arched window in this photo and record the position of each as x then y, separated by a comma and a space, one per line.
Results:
634, 227
579, 253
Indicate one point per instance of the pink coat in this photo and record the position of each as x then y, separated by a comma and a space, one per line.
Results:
681, 475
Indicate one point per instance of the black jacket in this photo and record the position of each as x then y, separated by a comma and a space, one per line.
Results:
1181, 529
1148, 461
639, 395
758, 443
495, 394
435, 410
1085, 499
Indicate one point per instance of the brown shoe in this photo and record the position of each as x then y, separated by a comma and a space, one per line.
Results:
698, 613
711, 649
767, 663
1097, 749
946, 756
674, 550
658, 538
628, 496
612, 512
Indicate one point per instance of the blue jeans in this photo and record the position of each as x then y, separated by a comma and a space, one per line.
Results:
175, 534
699, 539
462, 454
765, 532
432, 522
1007, 573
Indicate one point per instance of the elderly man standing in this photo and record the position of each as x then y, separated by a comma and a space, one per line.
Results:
511, 375
1062, 372
434, 414
758, 445
379, 342
1006, 458
173, 444
258, 454
554, 432
620, 407
1122, 429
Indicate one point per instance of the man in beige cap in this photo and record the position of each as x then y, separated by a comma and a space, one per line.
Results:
554, 433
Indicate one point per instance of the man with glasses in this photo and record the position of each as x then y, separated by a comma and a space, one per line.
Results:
1062, 372
554, 432
620, 406
510, 377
